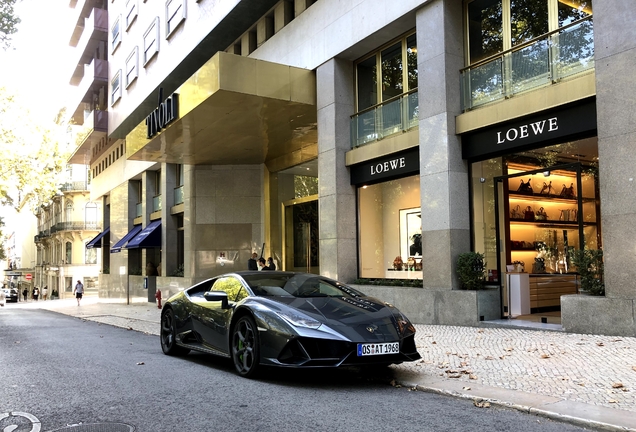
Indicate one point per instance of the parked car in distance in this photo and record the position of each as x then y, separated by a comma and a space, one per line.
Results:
11, 294
285, 319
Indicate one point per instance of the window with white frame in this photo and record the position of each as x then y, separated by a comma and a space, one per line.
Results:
175, 14
115, 86
151, 41
115, 33
132, 66
131, 12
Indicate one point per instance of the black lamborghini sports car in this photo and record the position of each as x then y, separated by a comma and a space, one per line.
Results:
285, 319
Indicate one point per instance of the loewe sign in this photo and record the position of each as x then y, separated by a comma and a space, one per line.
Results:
569, 122
386, 168
163, 115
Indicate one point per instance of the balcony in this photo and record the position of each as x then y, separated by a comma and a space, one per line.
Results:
156, 203
95, 78
81, 9
76, 226
396, 115
74, 186
138, 210
540, 62
178, 195
93, 130
95, 31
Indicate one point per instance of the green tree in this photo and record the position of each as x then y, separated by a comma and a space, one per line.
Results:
3, 255
33, 154
8, 22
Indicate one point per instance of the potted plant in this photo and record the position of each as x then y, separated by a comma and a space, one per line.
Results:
470, 269
589, 265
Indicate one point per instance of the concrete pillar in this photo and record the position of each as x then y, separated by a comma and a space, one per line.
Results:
168, 224
615, 60
337, 198
248, 43
443, 173
264, 30
283, 14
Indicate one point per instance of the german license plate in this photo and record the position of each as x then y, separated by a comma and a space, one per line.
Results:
378, 349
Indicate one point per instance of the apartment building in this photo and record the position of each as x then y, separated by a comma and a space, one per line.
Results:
367, 140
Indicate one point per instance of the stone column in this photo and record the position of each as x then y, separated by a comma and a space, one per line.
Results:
337, 198
443, 173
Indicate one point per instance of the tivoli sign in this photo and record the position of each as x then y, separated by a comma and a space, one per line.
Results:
163, 115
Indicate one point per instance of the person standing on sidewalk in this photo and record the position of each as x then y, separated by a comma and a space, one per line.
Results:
25, 293
45, 292
36, 293
79, 291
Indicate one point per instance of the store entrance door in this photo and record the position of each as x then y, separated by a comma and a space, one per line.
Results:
542, 216
300, 235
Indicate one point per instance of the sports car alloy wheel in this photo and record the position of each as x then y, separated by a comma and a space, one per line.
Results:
168, 335
245, 346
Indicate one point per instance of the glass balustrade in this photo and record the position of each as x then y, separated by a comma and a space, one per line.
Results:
178, 195
544, 61
395, 115
156, 203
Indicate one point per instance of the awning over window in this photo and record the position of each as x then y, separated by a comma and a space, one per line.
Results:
149, 237
121, 243
97, 241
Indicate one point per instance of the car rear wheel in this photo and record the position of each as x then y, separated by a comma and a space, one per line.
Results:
169, 335
245, 347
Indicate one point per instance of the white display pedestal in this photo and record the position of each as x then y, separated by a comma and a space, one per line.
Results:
519, 294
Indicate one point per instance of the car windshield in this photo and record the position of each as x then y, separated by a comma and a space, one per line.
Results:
297, 285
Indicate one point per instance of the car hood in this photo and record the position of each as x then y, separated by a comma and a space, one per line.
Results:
361, 319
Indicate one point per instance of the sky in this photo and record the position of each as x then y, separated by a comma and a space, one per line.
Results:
36, 65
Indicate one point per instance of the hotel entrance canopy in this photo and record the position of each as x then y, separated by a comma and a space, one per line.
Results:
235, 110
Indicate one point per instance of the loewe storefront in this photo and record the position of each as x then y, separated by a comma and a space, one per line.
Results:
534, 195
389, 216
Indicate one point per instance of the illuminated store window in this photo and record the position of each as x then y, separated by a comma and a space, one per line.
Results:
151, 41
390, 229
175, 15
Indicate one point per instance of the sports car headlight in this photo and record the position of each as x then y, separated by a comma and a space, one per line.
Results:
404, 323
299, 320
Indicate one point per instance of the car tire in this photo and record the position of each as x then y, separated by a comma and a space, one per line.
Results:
245, 347
168, 335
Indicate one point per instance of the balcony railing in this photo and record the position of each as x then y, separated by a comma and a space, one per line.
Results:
74, 186
76, 226
139, 210
178, 195
397, 114
156, 203
539, 62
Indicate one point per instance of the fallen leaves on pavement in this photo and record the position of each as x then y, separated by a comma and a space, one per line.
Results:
481, 404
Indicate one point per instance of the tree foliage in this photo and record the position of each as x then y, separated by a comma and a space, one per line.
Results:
8, 22
33, 155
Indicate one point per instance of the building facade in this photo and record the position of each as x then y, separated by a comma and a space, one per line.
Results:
367, 140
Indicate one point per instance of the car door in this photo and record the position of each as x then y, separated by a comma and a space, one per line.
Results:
216, 319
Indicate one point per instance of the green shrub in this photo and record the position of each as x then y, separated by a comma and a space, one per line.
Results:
471, 270
589, 265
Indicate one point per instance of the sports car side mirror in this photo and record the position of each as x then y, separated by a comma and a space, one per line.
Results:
217, 296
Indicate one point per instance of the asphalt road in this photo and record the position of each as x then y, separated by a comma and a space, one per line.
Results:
64, 371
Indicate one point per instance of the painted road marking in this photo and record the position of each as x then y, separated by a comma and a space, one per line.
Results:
35, 423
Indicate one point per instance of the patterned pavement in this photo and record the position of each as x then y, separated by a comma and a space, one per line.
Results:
583, 379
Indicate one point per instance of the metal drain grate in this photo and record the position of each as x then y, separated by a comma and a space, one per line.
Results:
98, 427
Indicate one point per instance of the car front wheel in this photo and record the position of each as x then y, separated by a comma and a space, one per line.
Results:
169, 335
245, 347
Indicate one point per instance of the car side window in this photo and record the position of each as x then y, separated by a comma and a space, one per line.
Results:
232, 286
198, 290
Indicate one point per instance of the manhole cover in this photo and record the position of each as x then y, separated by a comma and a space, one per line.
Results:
98, 427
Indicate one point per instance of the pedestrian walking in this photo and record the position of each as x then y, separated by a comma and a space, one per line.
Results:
79, 291
2, 298
36, 293
25, 293
251, 263
45, 292
271, 264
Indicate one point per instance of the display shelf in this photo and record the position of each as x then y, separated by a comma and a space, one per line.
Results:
549, 223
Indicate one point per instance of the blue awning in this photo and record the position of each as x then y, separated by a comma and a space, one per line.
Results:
149, 237
98, 239
121, 243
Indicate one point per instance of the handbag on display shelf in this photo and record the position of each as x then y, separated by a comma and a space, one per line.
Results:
528, 214
525, 188
516, 213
